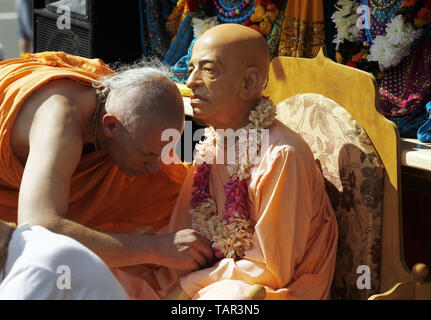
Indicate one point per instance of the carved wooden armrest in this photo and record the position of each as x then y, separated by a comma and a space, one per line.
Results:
418, 289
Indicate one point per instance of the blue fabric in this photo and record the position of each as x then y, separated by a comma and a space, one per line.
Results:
417, 128
424, 132
180, 71
182, 42
409, 128
153, 16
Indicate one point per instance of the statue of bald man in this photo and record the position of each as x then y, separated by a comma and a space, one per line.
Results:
268, 217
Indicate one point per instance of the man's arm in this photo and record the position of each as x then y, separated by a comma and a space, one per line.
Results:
55, 150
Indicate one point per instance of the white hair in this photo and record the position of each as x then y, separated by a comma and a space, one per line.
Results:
142, 72
160, 93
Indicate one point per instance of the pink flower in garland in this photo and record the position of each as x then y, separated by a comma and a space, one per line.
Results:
232, 234
237, 202
201, 184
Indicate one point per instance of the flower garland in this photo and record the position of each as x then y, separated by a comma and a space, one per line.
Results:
384, 51
264, 16
258, 14
344, 19
390, 49
202, 25
199, 8
231, 235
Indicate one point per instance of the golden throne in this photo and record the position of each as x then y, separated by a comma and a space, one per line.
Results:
334, 108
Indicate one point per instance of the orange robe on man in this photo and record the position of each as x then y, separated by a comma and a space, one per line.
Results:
101, 197
295, 238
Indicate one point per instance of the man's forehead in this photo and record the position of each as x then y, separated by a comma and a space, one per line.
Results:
149, 138
217, 49
202, 53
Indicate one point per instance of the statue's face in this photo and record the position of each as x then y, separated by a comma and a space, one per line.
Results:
216, 77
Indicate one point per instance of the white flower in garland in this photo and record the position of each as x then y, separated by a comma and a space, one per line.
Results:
232, 234
397, 32
345, 18
202, 25
382, 51
390, 49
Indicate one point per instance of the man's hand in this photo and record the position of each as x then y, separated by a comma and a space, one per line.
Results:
183, 250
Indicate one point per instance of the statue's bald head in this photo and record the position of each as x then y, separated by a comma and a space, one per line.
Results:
228, 69
238, 43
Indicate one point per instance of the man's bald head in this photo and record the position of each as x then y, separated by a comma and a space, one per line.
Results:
155, 103
243, 44
141, 95
228, 69
142, 103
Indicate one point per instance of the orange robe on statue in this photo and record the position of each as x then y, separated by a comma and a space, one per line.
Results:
101, 197
295, 239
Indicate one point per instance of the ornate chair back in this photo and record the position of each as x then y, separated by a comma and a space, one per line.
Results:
333, 107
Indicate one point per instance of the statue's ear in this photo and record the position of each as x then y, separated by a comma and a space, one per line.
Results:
252, 83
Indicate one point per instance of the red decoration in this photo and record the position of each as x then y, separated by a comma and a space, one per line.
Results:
255, 27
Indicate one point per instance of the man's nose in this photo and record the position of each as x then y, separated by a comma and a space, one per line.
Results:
192, 81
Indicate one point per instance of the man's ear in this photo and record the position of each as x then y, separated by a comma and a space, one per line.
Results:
110, 125
252, 83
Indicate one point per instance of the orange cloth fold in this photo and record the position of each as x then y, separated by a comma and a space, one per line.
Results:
101, 197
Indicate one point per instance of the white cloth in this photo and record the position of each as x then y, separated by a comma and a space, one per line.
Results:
45, 265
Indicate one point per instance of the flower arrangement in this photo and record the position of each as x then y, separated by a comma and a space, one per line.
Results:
355, 54
345, 18
390, 49
416, 11
384, 51
200, 8
202, 25
264, 15
232, 234
259, 14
